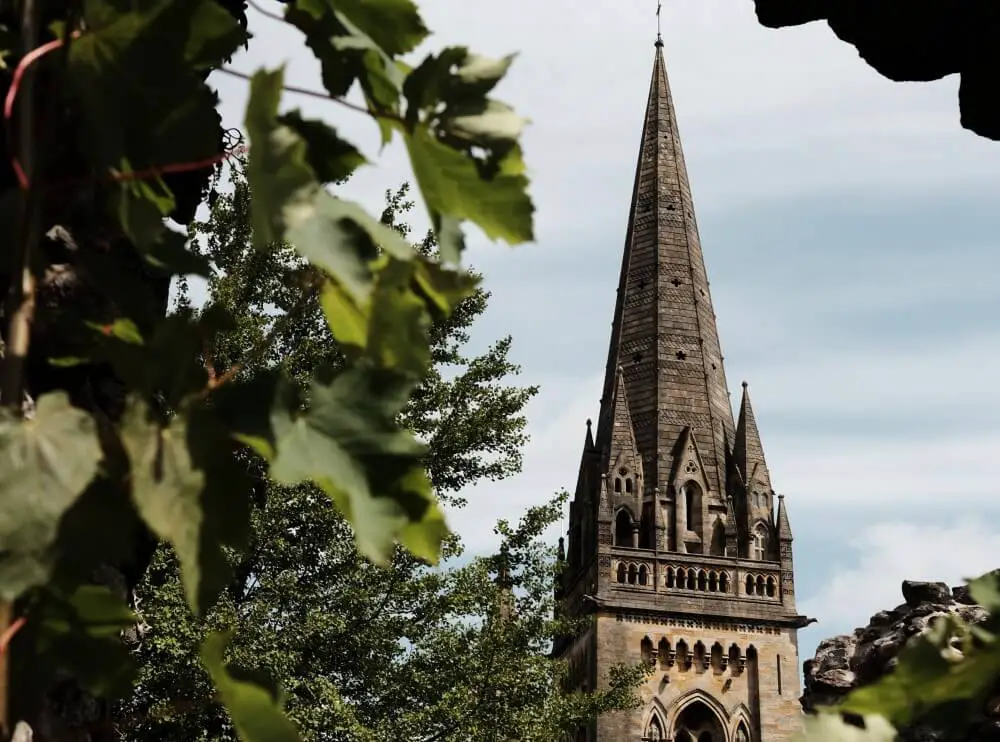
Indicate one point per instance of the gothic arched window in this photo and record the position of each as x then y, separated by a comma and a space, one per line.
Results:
759, 543
623, 529
654, 732
689, 505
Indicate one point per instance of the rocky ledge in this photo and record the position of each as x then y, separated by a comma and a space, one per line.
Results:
853, 660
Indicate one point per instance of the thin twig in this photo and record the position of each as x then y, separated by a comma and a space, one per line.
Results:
310, 293
21, 295
267, 13
322, 95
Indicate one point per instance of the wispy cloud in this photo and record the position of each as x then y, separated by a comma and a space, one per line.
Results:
884, 554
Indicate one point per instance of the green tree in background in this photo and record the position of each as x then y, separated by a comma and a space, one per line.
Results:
402, 651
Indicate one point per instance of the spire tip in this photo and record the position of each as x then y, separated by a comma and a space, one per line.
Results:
659, 36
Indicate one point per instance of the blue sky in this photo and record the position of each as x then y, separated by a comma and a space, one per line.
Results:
849, 228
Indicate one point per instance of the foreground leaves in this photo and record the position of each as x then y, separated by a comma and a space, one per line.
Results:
190, 438
166, 488
254, 708
942, 677
349, 444
833, 728
47, 462
80, 632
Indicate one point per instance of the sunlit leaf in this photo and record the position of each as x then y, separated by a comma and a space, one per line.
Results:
832, 728
349, 443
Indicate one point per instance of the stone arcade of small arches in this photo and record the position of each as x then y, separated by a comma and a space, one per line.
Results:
696, 578
765, 587
698, 657
696, 717
705, 580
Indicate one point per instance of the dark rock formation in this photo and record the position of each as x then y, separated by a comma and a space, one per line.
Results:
915, 40
854, 660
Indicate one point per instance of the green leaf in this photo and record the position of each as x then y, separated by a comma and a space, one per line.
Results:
136, 73
926, 678
121, 329
253, 707
348, 442
331, 158
833, 728
489, 122
338, 34
392, 329
167, 492
464, 151
96, 610
289, 204
47, 463
79, 632
394, 25
453, 186
985, 590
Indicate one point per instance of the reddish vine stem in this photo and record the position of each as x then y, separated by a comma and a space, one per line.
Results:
16, 85
20, 309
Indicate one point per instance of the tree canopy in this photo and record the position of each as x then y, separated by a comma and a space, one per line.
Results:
366, 651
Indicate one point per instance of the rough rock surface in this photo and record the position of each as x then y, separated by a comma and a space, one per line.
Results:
853, 660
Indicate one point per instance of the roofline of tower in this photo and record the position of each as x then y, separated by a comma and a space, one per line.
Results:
796, 621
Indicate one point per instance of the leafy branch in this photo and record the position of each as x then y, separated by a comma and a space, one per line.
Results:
166, 454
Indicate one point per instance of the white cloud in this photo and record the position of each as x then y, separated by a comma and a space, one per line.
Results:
884, 554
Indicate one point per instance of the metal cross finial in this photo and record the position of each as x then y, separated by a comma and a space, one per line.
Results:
659, 36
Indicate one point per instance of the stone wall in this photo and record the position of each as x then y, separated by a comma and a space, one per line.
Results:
853, 660
761, 693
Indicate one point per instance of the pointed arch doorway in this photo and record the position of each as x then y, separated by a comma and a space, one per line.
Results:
698, 723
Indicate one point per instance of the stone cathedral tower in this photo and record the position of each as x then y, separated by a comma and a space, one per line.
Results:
678, 545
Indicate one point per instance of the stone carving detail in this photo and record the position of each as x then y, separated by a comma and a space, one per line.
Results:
604, 533
854, 660
694, 623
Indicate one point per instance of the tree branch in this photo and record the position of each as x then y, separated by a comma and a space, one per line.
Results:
322, 95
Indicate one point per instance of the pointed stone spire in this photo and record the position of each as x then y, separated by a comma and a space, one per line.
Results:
588, 444
505, 583
621, 449
732, 530
784, 527
664, 348
748, 453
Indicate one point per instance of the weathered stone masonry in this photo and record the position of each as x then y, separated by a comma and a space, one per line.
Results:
678, 544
